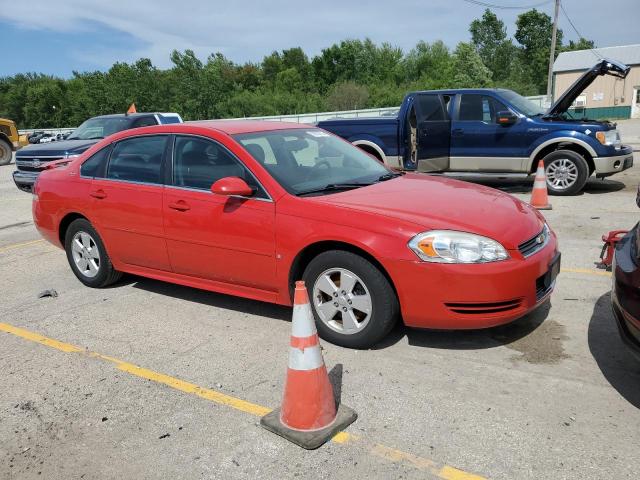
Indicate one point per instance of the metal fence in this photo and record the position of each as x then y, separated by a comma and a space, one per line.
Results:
312, 118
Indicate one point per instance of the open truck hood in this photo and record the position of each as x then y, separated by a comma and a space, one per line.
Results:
603, 67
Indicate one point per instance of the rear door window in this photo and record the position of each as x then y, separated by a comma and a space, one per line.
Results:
430, 108
138, 159
95, 165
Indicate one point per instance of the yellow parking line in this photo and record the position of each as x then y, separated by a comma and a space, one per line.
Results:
587, 271
20, 245
444, 472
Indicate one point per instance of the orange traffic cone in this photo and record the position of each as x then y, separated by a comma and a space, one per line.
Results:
539, 197
132, 108
308, 416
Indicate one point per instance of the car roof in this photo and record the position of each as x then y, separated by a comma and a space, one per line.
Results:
452, 91
132, 115
233, 127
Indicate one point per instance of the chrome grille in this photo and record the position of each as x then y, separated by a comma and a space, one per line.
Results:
34, 164
536, 243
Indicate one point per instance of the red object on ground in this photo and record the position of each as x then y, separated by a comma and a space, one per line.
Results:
610, 240
539, 195
254, 247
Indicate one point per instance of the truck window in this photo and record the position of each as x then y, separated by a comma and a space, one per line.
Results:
430, 108
479, 108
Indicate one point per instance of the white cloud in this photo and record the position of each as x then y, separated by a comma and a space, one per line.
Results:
250, 29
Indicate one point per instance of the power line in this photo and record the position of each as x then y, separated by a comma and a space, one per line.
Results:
580, 36
507, 7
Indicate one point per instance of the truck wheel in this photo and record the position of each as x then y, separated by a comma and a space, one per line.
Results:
87, 256
567, 172
6, 153
353, 303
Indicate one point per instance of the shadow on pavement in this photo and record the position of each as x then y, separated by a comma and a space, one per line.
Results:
212, 299
617, 364
469, 339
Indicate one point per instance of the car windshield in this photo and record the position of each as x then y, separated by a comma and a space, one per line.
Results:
522, 104
96, 128
312, 161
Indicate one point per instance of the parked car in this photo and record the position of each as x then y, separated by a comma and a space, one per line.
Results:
625, 291
33, 159
495, 132
247, 208
9, 140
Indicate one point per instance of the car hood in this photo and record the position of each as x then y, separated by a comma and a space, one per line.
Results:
603, 67
61, 148
439, 203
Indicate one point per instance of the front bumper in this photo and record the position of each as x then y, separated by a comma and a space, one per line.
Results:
442, 296
625, 293
25, 180
606, 166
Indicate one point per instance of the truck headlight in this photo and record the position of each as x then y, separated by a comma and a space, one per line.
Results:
609, 137
449, 246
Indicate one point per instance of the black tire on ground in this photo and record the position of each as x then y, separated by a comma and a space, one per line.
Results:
560, 163
385, 307
106, 273
6, 153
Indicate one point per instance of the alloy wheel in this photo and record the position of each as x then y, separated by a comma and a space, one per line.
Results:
342, 301
86, 255
562, 173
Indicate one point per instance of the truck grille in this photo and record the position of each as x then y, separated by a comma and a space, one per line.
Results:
535, 244
34, 164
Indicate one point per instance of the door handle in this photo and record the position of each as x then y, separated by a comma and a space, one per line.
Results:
457, 131
180, 205
99, 194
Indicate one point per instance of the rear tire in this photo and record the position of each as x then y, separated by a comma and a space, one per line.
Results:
6, 153
343, 283
87, 256
567, 172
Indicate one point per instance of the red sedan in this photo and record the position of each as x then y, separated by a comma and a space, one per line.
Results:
247, 208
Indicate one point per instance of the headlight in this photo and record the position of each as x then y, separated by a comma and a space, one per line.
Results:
610, 137
448, 246
73, 155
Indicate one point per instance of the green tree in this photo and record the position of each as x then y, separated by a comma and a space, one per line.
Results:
468, 69
347, 96
489, 36
533, 33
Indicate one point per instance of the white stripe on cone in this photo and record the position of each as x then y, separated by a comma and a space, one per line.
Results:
303, 324
308, 358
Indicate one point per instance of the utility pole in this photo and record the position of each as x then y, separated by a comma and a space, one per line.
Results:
552, 53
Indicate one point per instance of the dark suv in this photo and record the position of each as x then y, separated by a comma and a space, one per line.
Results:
31, 160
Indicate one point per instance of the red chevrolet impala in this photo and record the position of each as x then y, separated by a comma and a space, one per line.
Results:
247, 208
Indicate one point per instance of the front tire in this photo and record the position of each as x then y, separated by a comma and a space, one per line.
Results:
353, 303
567, 172
6, 153
87, 256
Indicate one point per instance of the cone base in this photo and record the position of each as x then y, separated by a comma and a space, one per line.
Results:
544, 207
309, 439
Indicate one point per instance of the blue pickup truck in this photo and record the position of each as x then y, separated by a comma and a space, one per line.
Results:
471, 132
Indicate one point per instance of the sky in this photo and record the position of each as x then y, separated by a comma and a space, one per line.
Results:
58, 37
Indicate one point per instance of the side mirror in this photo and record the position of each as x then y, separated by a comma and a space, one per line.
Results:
506, 118
232, 186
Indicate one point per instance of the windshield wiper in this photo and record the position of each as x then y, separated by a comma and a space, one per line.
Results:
389, 176
332, 187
